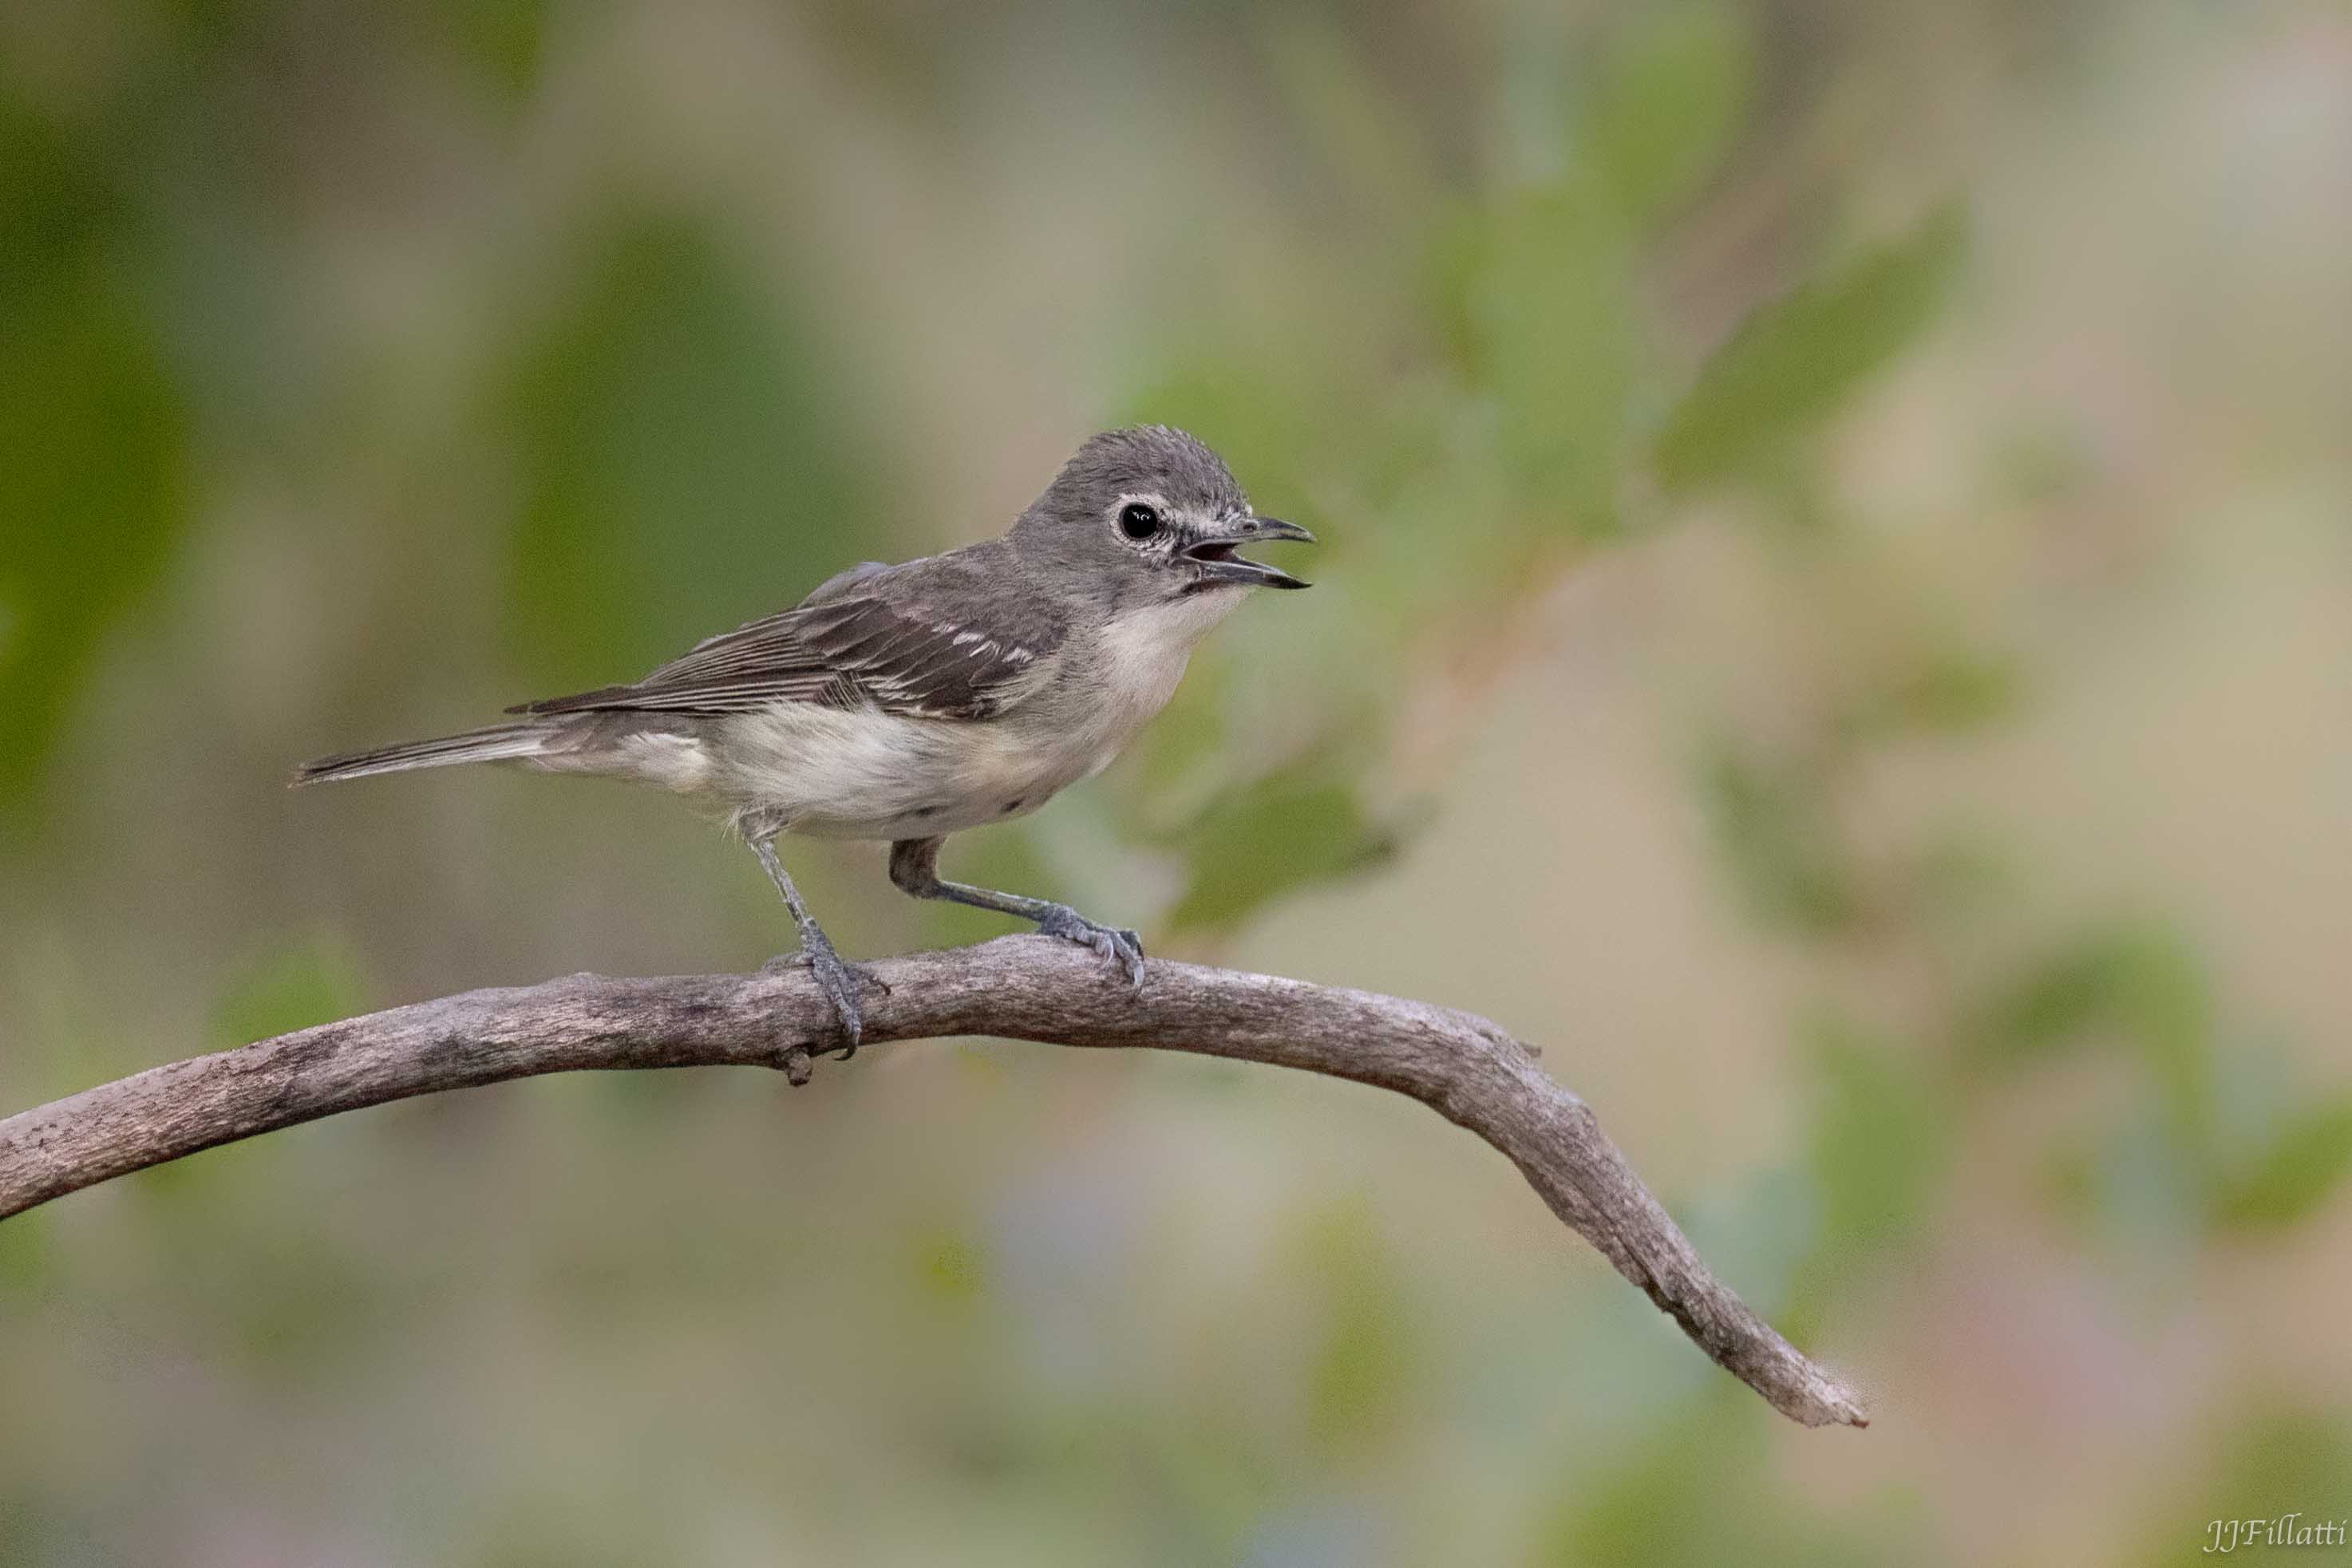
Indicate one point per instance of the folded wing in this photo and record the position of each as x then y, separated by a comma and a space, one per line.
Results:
923, 643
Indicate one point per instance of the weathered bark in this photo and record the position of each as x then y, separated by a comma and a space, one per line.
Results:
1027, 987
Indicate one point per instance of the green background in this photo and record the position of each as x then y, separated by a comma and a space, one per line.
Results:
1835, 621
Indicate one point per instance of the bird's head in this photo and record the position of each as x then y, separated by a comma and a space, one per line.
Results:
1152, 515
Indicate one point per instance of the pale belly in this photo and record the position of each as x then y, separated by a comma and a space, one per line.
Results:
839, 775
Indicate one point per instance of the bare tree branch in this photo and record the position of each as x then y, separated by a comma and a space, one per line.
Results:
1028, 988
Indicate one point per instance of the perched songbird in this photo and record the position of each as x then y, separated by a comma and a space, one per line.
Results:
906, 702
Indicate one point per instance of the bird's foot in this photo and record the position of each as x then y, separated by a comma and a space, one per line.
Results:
1122, 947
839, 982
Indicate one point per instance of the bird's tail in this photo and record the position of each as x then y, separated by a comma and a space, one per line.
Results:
498, 743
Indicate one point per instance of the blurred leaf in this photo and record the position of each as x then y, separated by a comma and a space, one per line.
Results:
1950, 692
2140, 982
686, 464
1675, 92
305, 983
2049, 1011
92, 436
506, 39
1776, 832
1878, 1141
2303, 1163
1794, 361
1542, 289
1455, 281
57, 208
1273, 835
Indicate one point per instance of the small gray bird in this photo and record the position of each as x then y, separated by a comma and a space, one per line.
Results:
906, 702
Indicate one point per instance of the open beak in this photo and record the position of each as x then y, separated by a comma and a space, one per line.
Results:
1213, 552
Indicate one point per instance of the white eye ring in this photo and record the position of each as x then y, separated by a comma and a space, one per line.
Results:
1140, 521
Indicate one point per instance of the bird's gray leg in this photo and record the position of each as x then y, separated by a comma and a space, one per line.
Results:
836, 979
915, 867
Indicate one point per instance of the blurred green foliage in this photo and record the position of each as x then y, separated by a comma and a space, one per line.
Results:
93, 437
955, 1268
1508, 445
1777, 831
676, 436
1267, 837
2266, 1466
1792, 363
2211, 1143
1643, 1513
1511, 289
2243, 1150
290, 986
1358, 1386
506, 39
1670, 104
25, 1251
2293, 1169
1880, 1142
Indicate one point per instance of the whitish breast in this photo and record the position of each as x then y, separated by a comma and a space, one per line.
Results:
862, 774
1145, 651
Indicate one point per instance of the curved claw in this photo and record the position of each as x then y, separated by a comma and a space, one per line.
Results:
839, 982
1119, 945
840, 988
799, 959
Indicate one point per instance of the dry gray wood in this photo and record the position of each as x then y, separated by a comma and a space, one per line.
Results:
1027, 987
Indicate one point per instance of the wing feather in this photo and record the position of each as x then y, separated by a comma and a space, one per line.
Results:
920, 641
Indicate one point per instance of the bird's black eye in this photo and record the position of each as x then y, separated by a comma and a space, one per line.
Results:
1138, 521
